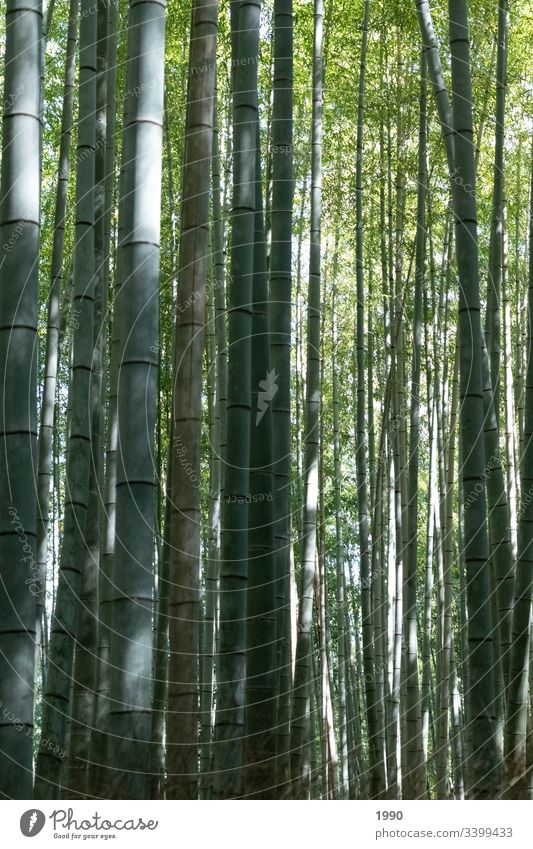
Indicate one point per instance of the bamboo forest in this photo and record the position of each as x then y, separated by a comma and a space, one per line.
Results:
266, 400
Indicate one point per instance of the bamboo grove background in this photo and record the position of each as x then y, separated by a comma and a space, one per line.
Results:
266, 402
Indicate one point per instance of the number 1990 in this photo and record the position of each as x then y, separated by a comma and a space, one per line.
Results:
389, 815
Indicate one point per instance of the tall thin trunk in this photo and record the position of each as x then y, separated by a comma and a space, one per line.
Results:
231, 661
218, 368
510, 436
497, 493
484, 105
376, 767
516, 731
457, 135
328, 748
46, 425
209, 583
137, 314
260, 745
456, 734
427, 677
85, 668
59, 676
483, 752
301, 690
445, 648
99, 736
493, 322
340, 588
299, 369
280, 285
161, 655
184, 565
415, 780
20, 579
